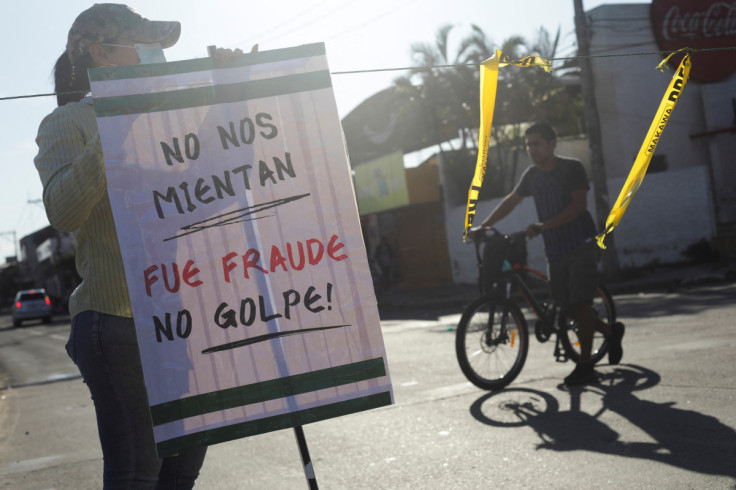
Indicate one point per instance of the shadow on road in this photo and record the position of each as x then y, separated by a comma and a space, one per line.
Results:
683, 302
683, 438
4, 385
56, 321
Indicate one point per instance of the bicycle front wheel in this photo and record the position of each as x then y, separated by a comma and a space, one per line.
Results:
492, 342
605, 310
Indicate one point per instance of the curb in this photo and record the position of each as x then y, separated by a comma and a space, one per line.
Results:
459, 295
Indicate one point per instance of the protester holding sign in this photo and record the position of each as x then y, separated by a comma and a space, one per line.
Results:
70, 164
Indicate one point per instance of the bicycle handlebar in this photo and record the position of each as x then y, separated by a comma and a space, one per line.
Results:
483, 234
480, 236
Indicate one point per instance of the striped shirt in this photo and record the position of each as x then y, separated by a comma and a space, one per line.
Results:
72, 172
552, 192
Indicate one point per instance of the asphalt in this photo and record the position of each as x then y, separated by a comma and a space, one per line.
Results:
674, 431
660, 278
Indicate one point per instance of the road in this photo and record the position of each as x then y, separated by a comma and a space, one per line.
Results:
664, 418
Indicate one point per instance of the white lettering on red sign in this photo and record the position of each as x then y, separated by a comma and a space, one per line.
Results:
717, 21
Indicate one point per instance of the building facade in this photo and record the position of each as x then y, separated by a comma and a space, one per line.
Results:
688, 196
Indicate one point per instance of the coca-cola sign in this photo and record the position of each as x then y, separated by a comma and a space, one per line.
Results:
698, 24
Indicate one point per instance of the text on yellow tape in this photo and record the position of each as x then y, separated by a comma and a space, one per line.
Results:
641, 163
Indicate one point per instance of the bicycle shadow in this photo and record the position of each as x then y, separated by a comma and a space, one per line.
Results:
683, 438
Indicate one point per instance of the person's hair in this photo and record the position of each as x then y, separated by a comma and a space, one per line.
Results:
543, 129
70, 81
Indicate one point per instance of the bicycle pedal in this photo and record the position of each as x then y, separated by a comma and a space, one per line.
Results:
542, 334
560, 354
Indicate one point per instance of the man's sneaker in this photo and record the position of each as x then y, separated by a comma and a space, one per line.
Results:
582, 374
615, 350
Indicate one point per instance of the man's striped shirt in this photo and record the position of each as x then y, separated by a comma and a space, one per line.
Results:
552, 191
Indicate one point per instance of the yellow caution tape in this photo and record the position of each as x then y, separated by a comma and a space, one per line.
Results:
488, 85
641, 164
528, 61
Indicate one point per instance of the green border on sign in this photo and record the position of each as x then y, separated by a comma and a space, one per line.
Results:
216, 94
203, 64
267, 390
270, 424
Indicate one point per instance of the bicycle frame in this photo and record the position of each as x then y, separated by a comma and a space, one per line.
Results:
491, 323
511, 275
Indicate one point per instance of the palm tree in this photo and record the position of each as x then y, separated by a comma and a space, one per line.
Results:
445, 85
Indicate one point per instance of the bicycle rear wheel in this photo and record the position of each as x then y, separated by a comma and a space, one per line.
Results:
605, 310
491, 342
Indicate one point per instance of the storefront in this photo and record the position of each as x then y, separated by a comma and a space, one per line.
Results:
403, 222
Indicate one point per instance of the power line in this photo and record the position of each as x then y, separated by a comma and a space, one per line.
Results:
302, 26
565, 58
13, 97
434, 67
282, 25
369, 21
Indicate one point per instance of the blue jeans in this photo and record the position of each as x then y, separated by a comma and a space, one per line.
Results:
105, 349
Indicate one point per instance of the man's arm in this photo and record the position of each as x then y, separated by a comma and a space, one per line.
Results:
500, 212
577, 207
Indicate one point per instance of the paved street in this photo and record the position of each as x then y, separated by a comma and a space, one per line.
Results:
664, 418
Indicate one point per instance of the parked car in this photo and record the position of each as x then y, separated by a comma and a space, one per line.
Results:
31, 304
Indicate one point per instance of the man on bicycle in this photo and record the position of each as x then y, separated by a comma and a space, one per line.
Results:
559, 187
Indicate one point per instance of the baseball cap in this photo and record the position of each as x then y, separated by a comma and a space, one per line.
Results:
107, 21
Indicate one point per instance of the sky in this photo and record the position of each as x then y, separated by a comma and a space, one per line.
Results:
359, 35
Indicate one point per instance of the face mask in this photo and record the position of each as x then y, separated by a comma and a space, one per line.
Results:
147, 53
150, 53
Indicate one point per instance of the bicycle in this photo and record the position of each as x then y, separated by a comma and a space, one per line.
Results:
492, 338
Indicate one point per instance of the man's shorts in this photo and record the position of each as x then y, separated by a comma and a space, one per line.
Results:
574, 278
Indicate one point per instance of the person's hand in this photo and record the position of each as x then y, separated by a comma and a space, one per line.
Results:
533, 230
226, 55
473, 231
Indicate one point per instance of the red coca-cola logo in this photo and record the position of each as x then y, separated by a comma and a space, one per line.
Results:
698, 24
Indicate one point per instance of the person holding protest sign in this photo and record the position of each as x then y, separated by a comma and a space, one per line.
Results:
102, 340
560, 187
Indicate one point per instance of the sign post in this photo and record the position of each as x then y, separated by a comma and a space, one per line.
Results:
241, 242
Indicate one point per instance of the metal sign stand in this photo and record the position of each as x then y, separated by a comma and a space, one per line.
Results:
306, 460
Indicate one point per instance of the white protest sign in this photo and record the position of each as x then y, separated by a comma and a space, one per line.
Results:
242, 247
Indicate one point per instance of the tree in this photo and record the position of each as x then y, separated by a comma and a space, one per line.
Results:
445, 83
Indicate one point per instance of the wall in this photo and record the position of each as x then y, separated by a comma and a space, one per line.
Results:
630, 88
423, 182
415, 233
719, 114
628, 92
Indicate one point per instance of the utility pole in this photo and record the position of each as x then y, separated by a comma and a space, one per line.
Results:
593, 129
